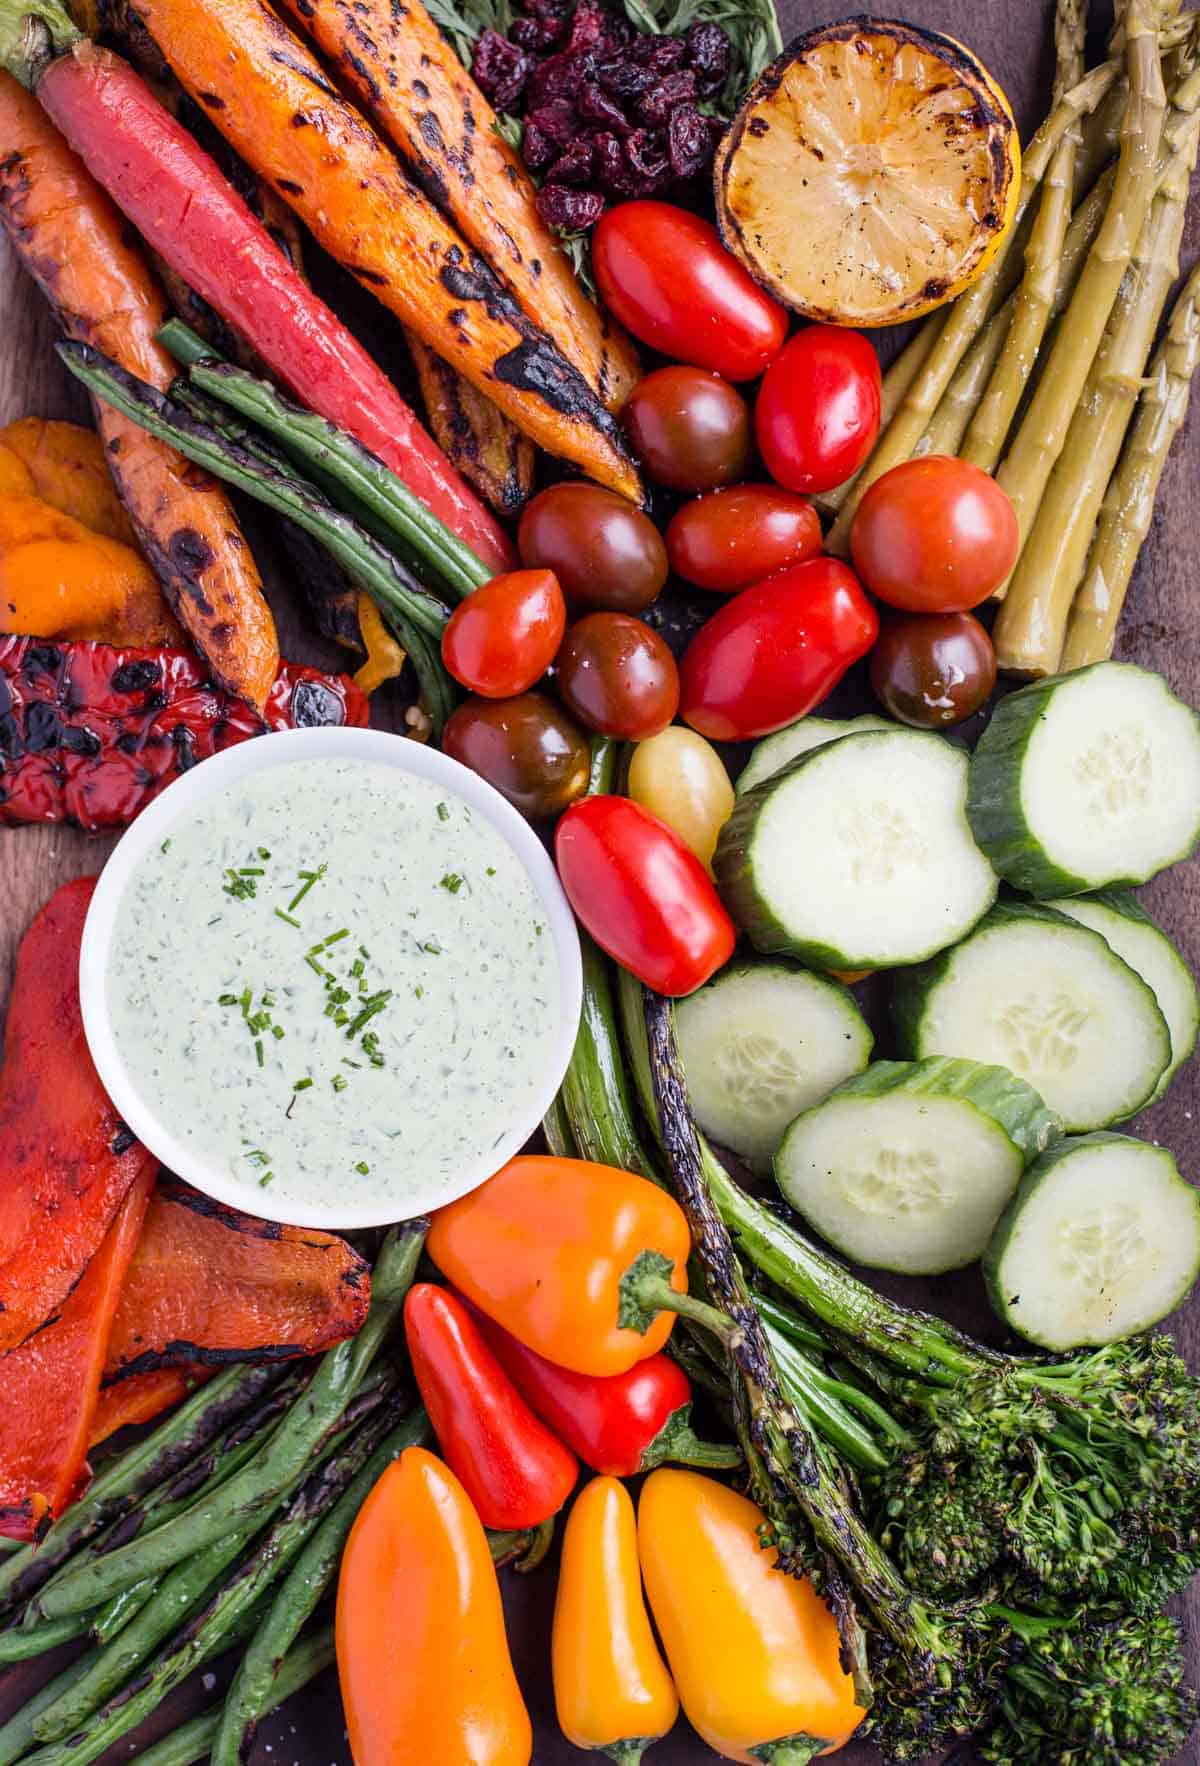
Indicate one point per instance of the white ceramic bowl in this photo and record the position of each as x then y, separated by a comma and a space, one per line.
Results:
183, 796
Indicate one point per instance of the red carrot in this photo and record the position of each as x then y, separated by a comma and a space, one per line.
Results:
184, 207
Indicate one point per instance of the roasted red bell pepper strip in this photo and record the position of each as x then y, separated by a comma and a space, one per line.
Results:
621, 1425
52, 1384
90, 733
514, 1470
183, 206
67, 1161
644, 897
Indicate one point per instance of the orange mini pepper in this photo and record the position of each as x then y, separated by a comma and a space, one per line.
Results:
423, 1659
611, 1686
755, 1653
544, 1248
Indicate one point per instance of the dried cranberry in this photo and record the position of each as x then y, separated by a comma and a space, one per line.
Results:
501, 69
559, 77
587, 28
574, 210
646, 152
667, 95
624, 79
537, 149
559, 120
575, 165
662, 55
618, 32
691, 141
611, 168
526, 33
596, 106
709, 52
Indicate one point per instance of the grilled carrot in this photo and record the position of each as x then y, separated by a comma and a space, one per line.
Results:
75, 245
408, 79
271, 99
488, 449
180, 203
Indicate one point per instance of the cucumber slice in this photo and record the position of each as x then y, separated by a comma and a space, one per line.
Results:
1086, 780
1102, 1239
1051, 1001
761, 1043
909, 1166
1138, 940
773, 753
858, 855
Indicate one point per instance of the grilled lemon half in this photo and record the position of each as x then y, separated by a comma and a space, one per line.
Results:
870, 174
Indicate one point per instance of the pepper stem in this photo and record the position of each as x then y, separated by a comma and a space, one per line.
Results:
34, 33
645, 1291
523, 1547
627, 1753
791, 1750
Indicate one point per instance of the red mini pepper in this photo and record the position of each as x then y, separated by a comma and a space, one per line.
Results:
644, 897
515, 1471
621, 1424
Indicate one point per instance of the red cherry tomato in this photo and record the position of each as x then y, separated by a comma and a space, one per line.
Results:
617, 676
642, 895
934, 535
504, 637
666, 276
689, 428
817, 414
773, 652
736, 537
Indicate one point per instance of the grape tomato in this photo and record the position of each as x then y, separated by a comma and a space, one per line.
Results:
732, 538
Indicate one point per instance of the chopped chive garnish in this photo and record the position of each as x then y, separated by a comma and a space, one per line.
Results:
251, 871
263, 853
302, 1085
244, 1002
265, 1179
166, 845
277, 1031
227, 999
258, 1157
268, 999
491, 870
312, 962
357, 1065
240, 888
431, 947
364, 953
341, 1016
335, 936
451, 882
340, 1082
258, 1051
443, 812
356, 968
376, 1003
291, 920
363, 1167
419, 992
308, 878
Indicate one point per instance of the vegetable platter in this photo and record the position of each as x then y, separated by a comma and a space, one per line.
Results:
1159, 630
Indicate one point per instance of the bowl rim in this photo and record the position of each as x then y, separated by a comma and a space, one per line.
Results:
183, 796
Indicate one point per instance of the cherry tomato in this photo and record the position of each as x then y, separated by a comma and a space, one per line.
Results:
504, 637
666, 276
934, 535
689, 428
681, 779
605, 553
773, 652
817, 414
642, 895
617, 676
933, 669
528, 748
733, 538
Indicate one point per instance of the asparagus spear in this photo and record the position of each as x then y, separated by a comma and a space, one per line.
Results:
306, 1425
1031, 624
969, 312
252, 1693
1040, 438
954, 414
1034, 299
193, 1741
1128, 508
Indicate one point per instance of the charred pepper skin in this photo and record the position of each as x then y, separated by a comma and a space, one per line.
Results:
90, 733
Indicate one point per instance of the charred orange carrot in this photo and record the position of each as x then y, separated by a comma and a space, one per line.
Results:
271, 99
408, 79
75, 245
486, 446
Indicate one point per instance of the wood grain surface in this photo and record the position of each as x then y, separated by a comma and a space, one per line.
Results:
1162, 630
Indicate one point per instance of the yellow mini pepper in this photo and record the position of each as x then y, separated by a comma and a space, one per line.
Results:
611, 1687
754, 1652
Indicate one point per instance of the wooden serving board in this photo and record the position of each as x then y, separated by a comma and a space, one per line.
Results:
1161, 630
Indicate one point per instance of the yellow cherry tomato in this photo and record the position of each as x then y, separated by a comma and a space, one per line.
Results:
680, 778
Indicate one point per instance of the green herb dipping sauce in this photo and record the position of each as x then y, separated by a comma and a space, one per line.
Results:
333, 979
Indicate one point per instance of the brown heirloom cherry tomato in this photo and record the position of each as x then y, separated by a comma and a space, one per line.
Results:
817, 414
528, 748
504, 637
934, 535
618, 677
605, 553
934, 669
665, 275
689, 428
732, 538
